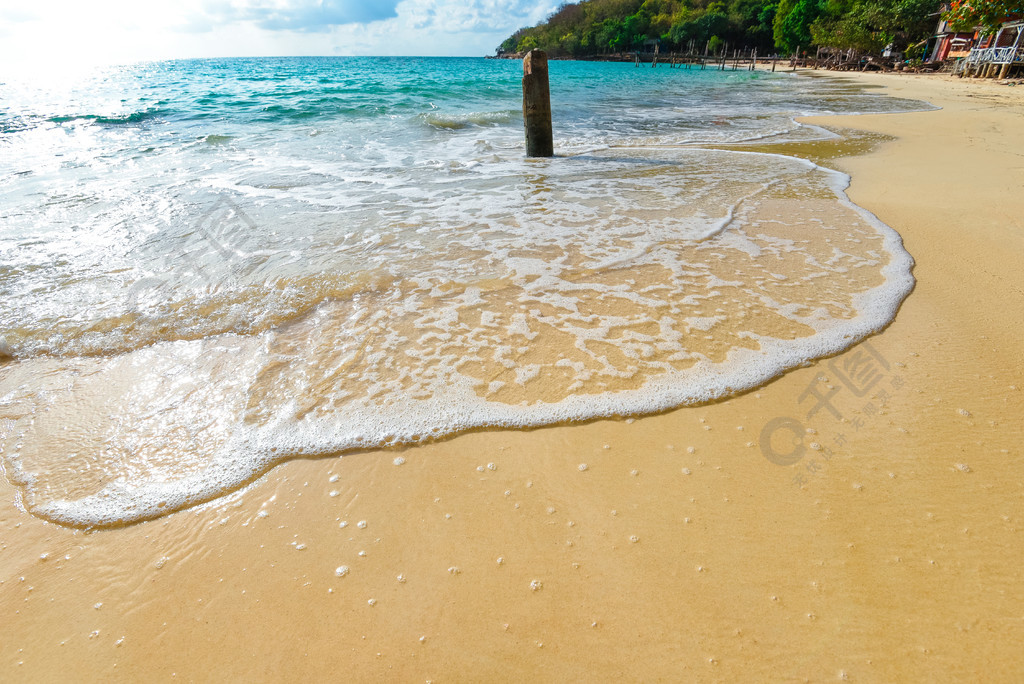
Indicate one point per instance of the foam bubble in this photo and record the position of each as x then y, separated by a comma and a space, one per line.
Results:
632, 283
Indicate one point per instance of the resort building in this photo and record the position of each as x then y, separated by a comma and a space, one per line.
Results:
995, 57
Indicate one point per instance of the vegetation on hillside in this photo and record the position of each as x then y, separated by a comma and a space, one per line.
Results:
596, 27
988, 14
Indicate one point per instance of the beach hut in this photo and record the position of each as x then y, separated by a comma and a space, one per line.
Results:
995, 57
950, 44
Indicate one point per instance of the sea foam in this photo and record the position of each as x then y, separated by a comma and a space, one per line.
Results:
211, 267
636, 281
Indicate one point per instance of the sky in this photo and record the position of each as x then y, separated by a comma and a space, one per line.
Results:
87, 32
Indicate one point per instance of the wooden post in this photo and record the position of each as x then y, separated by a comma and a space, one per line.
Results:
537, 105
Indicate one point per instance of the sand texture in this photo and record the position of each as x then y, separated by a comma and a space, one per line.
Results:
859, 518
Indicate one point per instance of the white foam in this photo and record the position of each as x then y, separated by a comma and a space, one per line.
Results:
393, 364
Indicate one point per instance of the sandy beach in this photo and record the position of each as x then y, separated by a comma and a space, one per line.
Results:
859, 518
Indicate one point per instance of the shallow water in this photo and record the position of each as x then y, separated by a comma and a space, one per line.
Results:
212, 266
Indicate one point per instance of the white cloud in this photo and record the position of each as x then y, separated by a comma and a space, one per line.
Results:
65, 32
294, 15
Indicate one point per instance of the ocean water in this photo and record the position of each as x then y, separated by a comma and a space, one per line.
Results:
209, 267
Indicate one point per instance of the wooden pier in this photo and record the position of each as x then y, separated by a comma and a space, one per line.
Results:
724, 60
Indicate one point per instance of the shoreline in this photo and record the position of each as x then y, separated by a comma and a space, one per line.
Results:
896, 556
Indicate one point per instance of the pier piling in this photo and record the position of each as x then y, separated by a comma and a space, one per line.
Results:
537, 105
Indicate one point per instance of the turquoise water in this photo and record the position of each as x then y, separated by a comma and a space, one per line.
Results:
212, 266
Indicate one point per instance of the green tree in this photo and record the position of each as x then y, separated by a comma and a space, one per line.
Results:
526, 44
591, 27
792, 26
988, 14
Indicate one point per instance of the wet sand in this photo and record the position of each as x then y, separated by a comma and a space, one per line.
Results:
857, 518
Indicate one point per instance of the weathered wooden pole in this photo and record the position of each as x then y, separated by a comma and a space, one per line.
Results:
537, 105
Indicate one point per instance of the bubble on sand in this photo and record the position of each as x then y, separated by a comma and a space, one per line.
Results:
361, 524
97, 606
492, 466
333, 493
686, 471
398, 461
341, 571
372, 602
161, 563
536, 585
454, 570
300, 547
964, 412
401, 579
633, 538
343, 524
582, 467
262, 514
963, 467
634, 472
333, 478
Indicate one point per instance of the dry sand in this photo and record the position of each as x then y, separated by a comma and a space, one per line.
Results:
891, 550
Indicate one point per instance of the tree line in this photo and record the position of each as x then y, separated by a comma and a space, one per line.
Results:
598, 27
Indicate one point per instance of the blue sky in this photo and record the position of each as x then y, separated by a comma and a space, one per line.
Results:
79, 32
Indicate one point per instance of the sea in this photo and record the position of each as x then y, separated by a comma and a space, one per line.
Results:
208, 267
